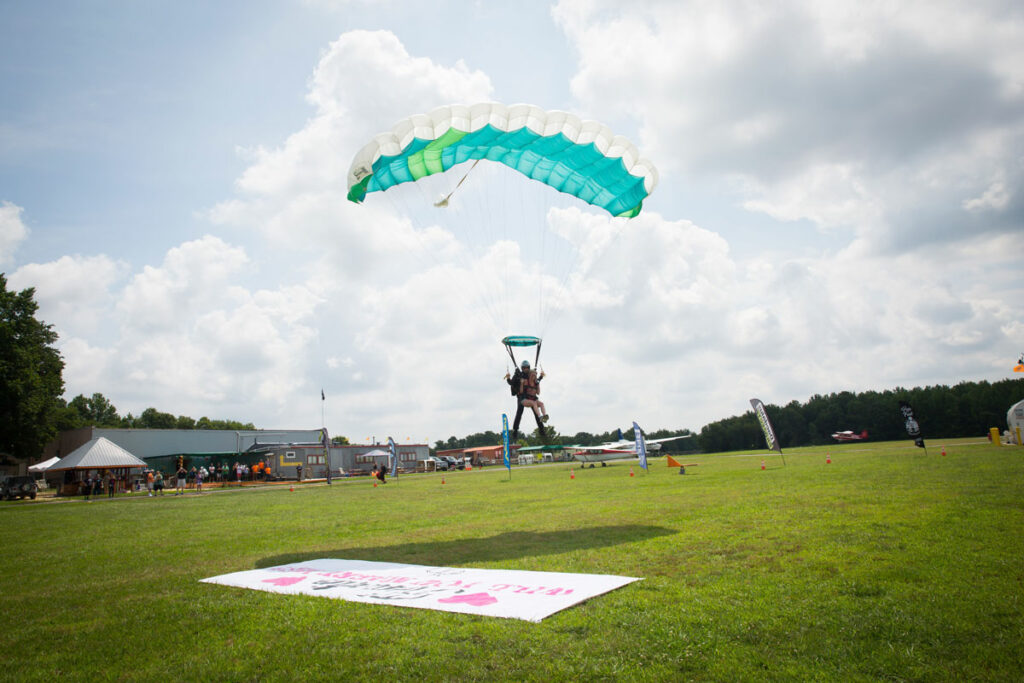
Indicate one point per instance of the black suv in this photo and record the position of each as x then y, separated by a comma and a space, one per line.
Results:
18, 487
453, 462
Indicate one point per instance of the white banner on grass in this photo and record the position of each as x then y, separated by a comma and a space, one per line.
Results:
512, 594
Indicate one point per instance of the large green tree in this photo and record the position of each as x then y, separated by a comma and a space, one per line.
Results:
30, 375
97, 411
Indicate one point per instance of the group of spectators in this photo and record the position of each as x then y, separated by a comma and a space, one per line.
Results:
194, 477
94, 485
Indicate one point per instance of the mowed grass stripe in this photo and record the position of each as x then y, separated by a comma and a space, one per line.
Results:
888, 563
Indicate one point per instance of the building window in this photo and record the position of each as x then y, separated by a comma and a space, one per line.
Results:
315, 459
289, 455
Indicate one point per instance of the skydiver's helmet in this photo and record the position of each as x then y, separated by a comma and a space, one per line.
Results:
525, 365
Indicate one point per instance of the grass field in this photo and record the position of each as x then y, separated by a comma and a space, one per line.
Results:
887, 564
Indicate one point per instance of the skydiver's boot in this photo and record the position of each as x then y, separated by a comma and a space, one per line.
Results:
540, 427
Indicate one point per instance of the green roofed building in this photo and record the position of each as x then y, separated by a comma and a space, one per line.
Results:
161, 448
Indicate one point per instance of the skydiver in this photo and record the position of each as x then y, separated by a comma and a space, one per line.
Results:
525, 385
516, 383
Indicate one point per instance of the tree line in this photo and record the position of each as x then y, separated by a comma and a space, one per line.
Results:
98, 411
965, 409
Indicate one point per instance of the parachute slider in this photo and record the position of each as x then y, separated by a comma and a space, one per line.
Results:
442, 203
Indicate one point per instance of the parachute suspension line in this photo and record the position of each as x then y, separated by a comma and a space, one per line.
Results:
618, 225
407, 201
480, 213
558, 257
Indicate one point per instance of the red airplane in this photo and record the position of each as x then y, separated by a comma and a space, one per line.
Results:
850, 436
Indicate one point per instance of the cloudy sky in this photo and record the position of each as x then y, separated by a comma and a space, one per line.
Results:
839, 207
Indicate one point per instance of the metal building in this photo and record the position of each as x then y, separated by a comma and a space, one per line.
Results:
161, 448
285, 459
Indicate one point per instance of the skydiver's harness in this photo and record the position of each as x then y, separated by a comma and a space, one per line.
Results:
520, 383
530, 390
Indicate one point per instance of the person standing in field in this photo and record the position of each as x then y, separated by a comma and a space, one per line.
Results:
149, 482
158, 483
180, 481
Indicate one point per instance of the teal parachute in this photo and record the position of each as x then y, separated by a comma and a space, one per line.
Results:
579, 158
521, 341
492, 168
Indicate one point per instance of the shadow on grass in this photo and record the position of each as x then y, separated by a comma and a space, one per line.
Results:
507, 546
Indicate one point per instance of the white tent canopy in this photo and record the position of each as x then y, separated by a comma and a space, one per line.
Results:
43, 466
97, 454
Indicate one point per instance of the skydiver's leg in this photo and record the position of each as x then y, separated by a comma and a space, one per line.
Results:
540, 427
534, 404
518, 418
531, 403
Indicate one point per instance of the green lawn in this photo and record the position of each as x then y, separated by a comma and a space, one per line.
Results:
887, 564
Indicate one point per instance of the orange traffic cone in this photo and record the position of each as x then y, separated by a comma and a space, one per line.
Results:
571, 475
828, 458
292, 489
442, 480
943, 451
762, 464
374, 484
631, 471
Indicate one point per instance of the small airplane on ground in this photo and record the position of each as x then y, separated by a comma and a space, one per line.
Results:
618, 450
602, 453
850, 436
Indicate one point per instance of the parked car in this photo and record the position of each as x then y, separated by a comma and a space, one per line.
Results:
453, 462
18, 487
440, 465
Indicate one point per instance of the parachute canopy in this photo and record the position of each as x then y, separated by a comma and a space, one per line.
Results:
521, 340
579, 158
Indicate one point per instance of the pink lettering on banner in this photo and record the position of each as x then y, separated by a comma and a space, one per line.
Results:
475, 599
285, 580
